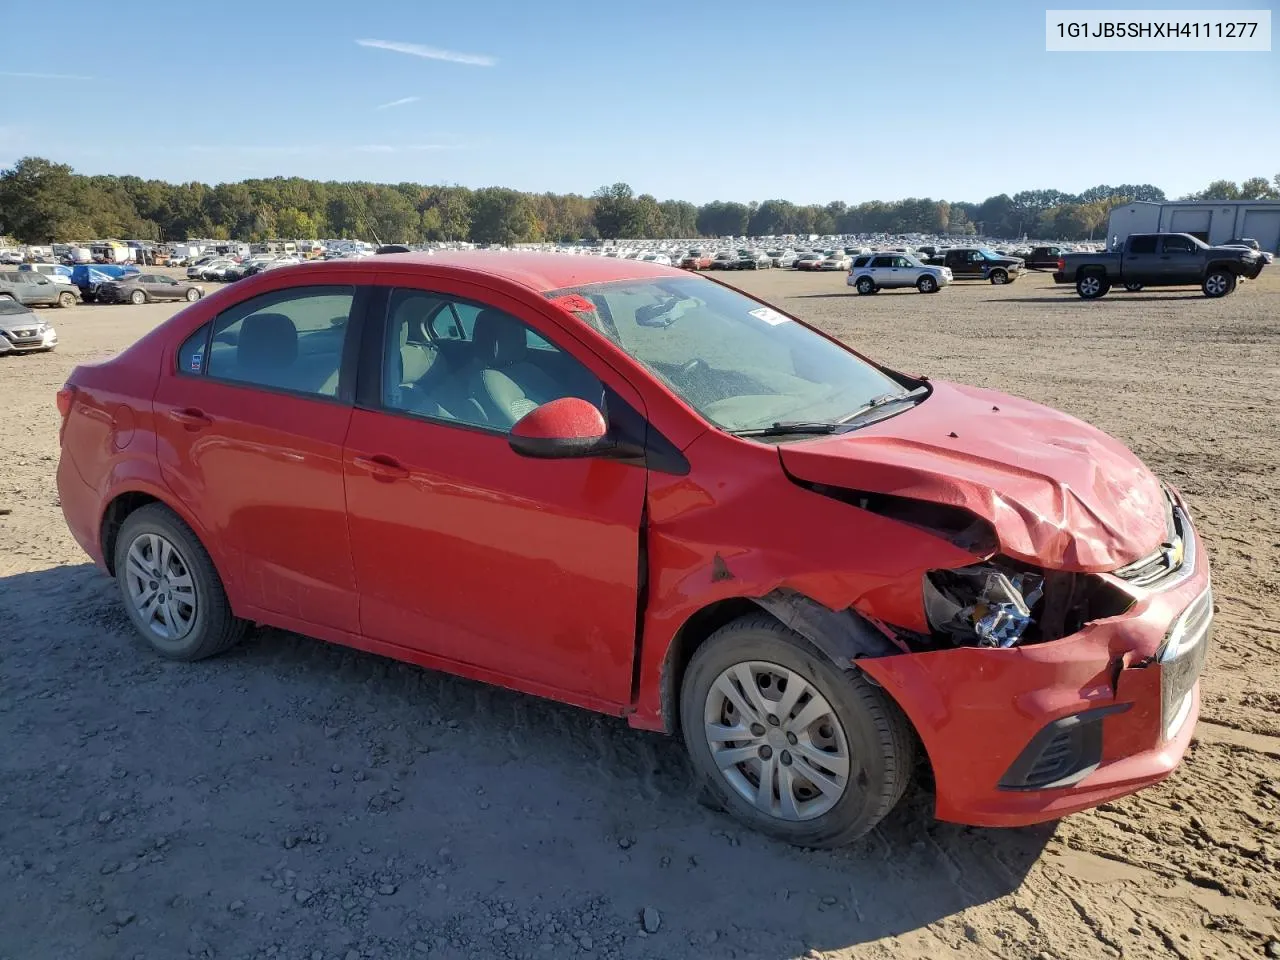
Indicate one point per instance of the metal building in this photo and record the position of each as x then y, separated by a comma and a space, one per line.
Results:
1213, 221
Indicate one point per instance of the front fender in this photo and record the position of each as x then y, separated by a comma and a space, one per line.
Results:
708, 544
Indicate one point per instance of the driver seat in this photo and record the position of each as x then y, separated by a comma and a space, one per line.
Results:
502, 380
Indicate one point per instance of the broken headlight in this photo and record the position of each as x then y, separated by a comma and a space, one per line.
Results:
986, 604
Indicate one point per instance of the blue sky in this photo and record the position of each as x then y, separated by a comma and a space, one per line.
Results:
698, 101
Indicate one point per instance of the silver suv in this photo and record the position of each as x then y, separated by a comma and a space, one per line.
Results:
883, 271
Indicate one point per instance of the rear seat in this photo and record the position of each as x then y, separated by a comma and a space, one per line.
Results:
266, 352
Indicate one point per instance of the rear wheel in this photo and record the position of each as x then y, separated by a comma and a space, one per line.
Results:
1092, 285
137, 297
193, 295
927, 284
170, 587
66, 299
6, 296
786, 742
865, 285
1219, 283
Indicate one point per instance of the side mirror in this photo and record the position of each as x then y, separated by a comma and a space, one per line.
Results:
564, 428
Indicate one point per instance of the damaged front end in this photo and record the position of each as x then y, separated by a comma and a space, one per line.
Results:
1003, 603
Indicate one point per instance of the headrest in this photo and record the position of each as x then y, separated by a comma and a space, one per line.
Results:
499, 339
267, 340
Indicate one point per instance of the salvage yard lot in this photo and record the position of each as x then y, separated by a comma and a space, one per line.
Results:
294, 799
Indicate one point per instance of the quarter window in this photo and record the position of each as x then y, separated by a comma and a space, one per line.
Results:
286, 340
193, 351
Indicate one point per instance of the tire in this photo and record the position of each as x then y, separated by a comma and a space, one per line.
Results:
1218, 283
865, 285
6, 296
137, 298
193, 295
927, 284
66, 299
851, 719
1091, 286
210, 627
1133, 287
999, 277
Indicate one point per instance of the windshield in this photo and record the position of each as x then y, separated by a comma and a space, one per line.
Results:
740, 364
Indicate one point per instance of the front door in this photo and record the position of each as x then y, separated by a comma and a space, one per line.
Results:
525, 569
251, 417
1181, 260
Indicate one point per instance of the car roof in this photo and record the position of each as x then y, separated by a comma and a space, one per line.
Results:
542, 272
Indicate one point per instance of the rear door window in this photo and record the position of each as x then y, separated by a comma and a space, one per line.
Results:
285, 340
1146, 244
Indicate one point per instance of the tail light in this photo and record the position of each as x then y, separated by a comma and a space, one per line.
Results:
1062, 264
66, 399
66, 396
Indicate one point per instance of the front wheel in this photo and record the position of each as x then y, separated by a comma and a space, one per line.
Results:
999, 276
170, 587
927, 284
137, 298
1133, 287
865, 285
66, 299
193, 295
1092, 285
786, 742
1219, 283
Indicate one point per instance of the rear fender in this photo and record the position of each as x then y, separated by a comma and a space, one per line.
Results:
136, 475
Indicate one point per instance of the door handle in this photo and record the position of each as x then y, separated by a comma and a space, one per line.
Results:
190, 418
382, 467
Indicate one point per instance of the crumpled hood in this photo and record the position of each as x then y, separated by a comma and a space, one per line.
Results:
1059, 493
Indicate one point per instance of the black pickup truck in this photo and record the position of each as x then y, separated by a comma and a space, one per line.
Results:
978, 263
1159, 260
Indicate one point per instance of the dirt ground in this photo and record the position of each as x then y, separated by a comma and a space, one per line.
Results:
297, 800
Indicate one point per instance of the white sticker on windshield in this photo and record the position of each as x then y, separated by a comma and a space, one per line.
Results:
770, 316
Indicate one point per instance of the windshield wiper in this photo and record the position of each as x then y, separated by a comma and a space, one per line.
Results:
783, 428
884, 400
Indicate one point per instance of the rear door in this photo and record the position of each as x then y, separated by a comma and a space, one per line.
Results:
1181, 260
881, 270
252, 415
517, 571
1142, 262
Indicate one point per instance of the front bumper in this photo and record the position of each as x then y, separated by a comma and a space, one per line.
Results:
996, 721
46, 340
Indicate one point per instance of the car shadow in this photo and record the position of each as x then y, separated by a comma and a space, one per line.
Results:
1069, 296
284, 736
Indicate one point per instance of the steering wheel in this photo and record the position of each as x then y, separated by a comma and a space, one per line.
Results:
696, 365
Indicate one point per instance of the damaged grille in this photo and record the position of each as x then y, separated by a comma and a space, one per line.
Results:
1177, 555
1181, 659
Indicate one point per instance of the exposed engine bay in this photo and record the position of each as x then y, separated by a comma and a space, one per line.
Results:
1003, 603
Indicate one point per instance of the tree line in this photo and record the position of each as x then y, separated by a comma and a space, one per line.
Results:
43, 202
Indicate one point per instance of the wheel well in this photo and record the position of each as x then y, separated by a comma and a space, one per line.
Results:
697, 630
692, 635
1225, 267
112, 519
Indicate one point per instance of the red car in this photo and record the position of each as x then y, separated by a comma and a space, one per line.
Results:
637, 490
